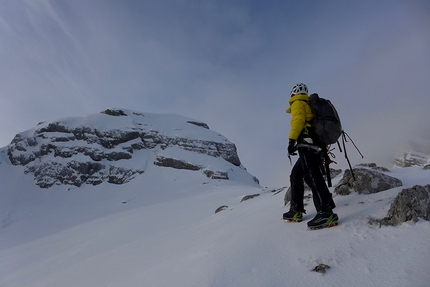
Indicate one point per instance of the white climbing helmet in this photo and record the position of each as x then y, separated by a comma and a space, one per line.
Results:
299, 89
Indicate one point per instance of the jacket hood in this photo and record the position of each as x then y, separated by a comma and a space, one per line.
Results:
298, 97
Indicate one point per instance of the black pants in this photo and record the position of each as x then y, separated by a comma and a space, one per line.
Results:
307, 169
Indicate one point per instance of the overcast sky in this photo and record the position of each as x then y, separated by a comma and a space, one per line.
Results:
228, 63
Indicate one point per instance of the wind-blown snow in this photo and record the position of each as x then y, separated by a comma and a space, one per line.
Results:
160, 229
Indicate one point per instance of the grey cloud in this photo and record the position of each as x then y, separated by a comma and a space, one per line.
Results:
228, 63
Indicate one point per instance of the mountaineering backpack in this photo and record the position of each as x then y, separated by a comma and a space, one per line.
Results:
326, 122
328, 129
326, 126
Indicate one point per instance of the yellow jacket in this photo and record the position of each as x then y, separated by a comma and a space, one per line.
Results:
302, 114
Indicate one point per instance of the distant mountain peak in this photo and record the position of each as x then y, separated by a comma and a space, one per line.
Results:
411, 158
117, 145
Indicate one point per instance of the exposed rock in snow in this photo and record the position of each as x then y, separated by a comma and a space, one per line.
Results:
117, 145
221, 208
321, 268
368, 179
247, 197
409, 204
373, 166
219, 174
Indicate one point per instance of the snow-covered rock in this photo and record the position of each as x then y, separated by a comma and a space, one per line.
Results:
369, 178
117, 145
409, 204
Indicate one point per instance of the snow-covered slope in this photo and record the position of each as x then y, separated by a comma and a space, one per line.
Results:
182, 242
160, 229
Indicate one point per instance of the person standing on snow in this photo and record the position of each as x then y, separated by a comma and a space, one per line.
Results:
307, 167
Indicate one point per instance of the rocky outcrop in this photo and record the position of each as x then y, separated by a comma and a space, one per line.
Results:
47, 174
373, 166
175, 163
100, 145
368, 179
411, 157
408, 205
217, 174
90, 150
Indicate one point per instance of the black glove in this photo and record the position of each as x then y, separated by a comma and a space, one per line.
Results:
292, 148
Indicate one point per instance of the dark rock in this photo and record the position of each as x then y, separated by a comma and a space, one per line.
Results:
114, 138
409, 204
306, 197
73, 173
287, 196
278, 190
115, 156
216, 174
374, 167
321, 268
247, 197
175, 163
56, 127
203, 125
78, 173
221, 208
119, 175
114, 112
367, 181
